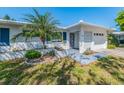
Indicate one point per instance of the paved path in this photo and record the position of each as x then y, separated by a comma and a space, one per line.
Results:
114, 52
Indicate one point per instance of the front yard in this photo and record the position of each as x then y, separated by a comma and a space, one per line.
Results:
107, 70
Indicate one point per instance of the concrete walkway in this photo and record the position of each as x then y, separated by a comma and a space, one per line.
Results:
115, 52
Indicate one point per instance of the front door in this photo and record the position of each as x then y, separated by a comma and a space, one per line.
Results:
72, 40
4, 36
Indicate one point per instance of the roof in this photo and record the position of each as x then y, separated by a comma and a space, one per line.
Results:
118, 33
12, 22
81, 22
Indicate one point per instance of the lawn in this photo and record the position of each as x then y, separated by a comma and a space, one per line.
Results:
108, 70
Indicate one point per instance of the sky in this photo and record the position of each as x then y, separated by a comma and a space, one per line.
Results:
69, 15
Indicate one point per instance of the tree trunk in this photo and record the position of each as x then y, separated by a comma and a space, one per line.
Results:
43, 44
43, 41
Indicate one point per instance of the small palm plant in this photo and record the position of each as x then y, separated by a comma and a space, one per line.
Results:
42, 26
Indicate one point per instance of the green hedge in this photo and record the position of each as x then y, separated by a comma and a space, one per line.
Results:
31, 54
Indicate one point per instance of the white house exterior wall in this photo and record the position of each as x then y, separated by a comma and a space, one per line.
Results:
68, 31
98, 42
14, 30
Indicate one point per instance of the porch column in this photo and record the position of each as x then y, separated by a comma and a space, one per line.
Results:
67, 41
81, 41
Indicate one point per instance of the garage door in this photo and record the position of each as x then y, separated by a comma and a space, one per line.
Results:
4, 36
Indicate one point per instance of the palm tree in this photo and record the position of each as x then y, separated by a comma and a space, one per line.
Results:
43, 26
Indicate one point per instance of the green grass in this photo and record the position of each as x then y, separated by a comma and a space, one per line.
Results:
108, 70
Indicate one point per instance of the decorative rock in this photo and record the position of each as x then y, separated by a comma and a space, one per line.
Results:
83, 59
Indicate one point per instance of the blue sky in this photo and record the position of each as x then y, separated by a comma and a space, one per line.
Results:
69, 15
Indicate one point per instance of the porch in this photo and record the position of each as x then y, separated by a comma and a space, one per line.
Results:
74, 40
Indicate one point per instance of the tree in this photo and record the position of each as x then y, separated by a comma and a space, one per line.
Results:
43, 26
120, 20
112, 40
6, 17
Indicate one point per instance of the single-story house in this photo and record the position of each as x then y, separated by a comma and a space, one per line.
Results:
80, 36
120, 37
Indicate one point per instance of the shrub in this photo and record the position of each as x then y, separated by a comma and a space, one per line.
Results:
31, 54
111, 46
112, 39
58, 48
89, 52
51, 53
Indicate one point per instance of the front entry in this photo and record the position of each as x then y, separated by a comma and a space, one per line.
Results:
72, 36
4, 36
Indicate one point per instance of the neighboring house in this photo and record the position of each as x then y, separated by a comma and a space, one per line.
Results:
81, 36
120, 37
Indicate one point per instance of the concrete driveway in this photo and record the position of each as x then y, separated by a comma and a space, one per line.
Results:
114, 52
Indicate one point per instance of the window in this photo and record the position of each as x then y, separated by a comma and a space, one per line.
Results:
98, 34
121, 41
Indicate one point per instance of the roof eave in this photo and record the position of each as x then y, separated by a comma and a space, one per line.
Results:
13, 22
84, 23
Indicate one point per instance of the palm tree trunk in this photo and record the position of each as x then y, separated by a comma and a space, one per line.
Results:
44, 44
43, 41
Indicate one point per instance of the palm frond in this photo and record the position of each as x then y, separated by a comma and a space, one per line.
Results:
17, 36
37, 15
42, 25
